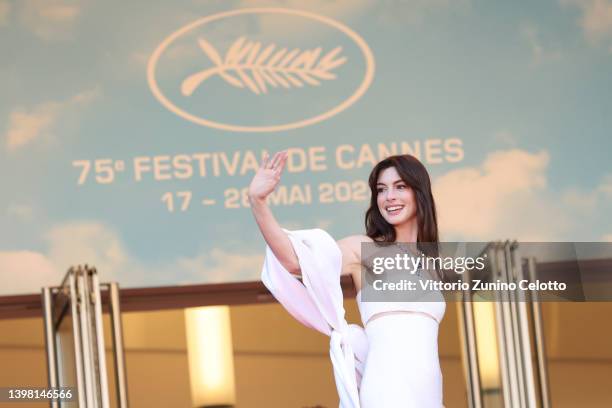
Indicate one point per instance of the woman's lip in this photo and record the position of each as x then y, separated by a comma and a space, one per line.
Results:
396, 212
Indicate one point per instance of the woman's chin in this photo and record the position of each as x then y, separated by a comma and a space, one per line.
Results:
395, 221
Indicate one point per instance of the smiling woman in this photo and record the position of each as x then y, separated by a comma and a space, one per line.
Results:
398, 364
402, 207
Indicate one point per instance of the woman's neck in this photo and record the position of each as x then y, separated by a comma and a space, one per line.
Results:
408, 231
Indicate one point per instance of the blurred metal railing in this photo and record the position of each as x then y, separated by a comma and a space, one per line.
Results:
74, 337
515, 381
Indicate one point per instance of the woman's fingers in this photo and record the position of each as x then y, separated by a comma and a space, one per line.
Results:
271, 161
264, 160
283, 160
276, 160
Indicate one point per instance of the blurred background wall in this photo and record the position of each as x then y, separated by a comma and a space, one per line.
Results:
281, 364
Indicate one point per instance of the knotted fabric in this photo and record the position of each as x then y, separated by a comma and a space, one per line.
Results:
317, 302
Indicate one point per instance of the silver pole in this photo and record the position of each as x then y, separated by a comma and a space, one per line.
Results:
78, 349
508, 330
516, 344
501, 337
469, 335
89, 365
96, 302
524, 343
50, 341
117, 333
540, 345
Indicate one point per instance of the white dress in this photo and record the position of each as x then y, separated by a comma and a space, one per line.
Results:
402, 368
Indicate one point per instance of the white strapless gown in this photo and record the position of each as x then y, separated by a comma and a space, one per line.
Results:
402, 369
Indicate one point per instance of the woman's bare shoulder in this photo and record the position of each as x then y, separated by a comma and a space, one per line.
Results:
354, 242
351, 256
361, 238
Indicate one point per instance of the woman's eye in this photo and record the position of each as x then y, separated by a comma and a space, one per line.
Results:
401, 186
379, 190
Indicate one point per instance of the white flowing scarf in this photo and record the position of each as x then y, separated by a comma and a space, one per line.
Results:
317, 302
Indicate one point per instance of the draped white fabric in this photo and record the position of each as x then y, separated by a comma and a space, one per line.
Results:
318, 303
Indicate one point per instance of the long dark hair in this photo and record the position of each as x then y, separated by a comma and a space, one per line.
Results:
414, 174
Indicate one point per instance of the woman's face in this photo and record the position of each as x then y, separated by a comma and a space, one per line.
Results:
395, 198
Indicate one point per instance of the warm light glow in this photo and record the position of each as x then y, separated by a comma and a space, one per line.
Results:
211, 360
486, 345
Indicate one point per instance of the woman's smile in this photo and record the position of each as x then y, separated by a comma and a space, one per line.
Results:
394, 210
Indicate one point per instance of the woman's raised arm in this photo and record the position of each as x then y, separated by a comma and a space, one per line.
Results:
264, 182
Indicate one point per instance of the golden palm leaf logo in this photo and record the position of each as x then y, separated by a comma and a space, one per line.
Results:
263, 67
249, 65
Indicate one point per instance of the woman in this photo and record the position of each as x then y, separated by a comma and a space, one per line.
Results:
402, 365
